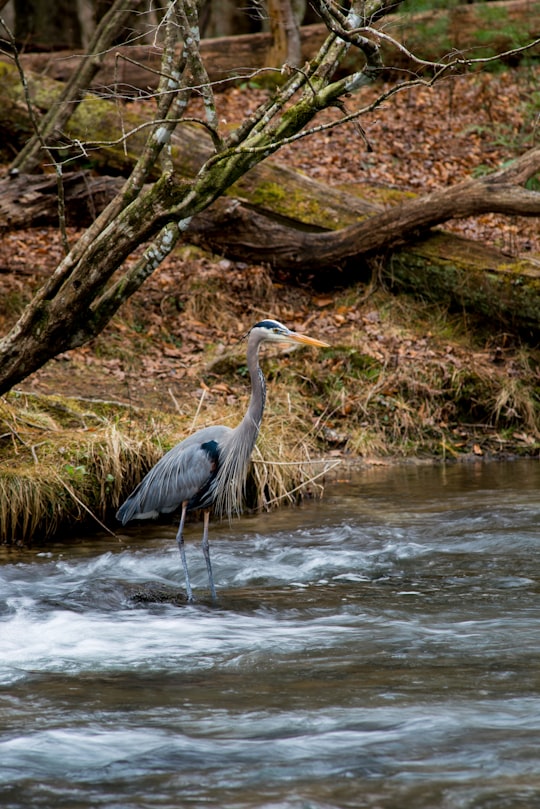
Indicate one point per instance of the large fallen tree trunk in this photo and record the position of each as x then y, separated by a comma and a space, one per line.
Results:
286, 219
478, 29
253, 236
435, 265
250, 233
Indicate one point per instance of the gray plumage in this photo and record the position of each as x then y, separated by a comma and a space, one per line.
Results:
208, 470
187, 472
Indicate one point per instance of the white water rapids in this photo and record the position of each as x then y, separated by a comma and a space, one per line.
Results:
380, 648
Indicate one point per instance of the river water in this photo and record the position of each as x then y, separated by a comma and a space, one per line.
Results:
380, 648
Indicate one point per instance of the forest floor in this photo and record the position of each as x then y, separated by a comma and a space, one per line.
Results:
403, 378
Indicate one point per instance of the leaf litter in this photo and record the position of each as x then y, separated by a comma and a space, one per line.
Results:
396, 368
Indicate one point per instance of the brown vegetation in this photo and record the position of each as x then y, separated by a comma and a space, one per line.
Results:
403, 378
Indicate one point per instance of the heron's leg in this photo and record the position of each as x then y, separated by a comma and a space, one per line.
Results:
180, 543
206, 551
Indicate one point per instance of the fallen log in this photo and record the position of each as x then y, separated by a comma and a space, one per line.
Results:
250, 233
256, 236
31, 200
471, 29
284, 197
433, 264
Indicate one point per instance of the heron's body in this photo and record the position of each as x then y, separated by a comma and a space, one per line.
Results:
186, 473
208, 470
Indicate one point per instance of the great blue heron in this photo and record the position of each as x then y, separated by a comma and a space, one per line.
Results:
208, 469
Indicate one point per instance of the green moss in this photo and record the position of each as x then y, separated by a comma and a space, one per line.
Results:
298, 205
380, 194
41, 318
271, 195
494, 295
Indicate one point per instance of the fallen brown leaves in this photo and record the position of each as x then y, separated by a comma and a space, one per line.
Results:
169, 344
426, 138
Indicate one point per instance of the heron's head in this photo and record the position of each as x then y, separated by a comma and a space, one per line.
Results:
271, 331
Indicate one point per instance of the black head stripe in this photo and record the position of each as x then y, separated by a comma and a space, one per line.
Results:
268, 324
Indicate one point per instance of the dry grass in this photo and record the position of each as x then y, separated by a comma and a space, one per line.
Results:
66, 461
62, 461
400, 380
286, 461
210, 295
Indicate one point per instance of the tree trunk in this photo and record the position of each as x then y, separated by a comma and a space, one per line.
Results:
285, 33
252, 235
434, 265
474, 29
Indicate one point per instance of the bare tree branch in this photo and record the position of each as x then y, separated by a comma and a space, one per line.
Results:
39, 139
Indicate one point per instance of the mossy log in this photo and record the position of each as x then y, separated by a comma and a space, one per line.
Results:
452, 271
472, 29
440, 267
433, 265
303, 227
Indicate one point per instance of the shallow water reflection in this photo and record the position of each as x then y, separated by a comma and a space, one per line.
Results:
378, 649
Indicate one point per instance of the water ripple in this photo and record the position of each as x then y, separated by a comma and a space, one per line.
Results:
380, 647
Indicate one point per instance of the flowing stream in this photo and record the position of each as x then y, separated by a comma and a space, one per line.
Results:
380, 648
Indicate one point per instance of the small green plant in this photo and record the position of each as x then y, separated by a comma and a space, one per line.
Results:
76, 472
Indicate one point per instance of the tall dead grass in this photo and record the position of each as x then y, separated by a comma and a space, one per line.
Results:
68, 462
62, 463
286, 465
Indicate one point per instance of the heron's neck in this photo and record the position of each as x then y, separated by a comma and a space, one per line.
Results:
253, 417
231, 479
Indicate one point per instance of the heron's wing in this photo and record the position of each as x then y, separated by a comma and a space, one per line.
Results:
183, 474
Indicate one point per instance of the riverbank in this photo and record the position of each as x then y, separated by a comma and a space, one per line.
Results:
402, 379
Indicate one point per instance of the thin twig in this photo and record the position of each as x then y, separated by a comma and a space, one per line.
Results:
196, 416
175, 401
83, 505
305, 483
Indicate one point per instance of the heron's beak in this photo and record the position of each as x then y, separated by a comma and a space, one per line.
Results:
309, 341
